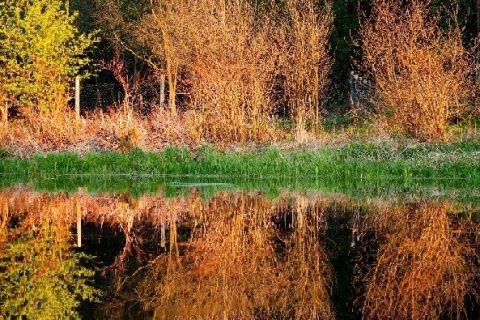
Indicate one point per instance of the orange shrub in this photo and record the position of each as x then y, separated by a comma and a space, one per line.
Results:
422, 71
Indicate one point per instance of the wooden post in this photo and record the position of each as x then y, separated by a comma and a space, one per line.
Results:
77, 98
162, 89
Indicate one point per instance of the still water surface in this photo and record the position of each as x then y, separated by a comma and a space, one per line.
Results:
236, 255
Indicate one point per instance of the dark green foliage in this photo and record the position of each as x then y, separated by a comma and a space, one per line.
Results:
346, 26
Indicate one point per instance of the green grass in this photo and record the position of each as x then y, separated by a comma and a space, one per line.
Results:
366, 161
359, 169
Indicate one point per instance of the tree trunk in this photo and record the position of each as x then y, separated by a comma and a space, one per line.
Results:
172, 87
162, 90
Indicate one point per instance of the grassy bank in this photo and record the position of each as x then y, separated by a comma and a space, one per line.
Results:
367, 161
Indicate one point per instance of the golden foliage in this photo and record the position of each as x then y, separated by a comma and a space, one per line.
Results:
422, 71
232, 74
304, 61
41, 50
232, 56
223, 49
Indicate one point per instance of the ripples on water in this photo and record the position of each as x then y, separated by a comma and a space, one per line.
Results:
236, 255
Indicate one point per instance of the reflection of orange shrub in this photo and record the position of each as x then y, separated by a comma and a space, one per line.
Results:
234, 267
422, 269
241, 258
421, 71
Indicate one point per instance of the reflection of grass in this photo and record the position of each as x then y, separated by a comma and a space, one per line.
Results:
138, 185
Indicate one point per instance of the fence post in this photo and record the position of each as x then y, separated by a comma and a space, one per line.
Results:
353, 84
77, 98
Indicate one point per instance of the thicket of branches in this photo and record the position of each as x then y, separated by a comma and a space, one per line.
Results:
232, 68
425, 265
423, 72
241, 61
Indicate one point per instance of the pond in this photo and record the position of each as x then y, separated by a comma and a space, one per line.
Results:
214, 251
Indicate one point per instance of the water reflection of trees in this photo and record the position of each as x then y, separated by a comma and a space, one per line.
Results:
426, 265
40, 276
237, 255
247, 258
